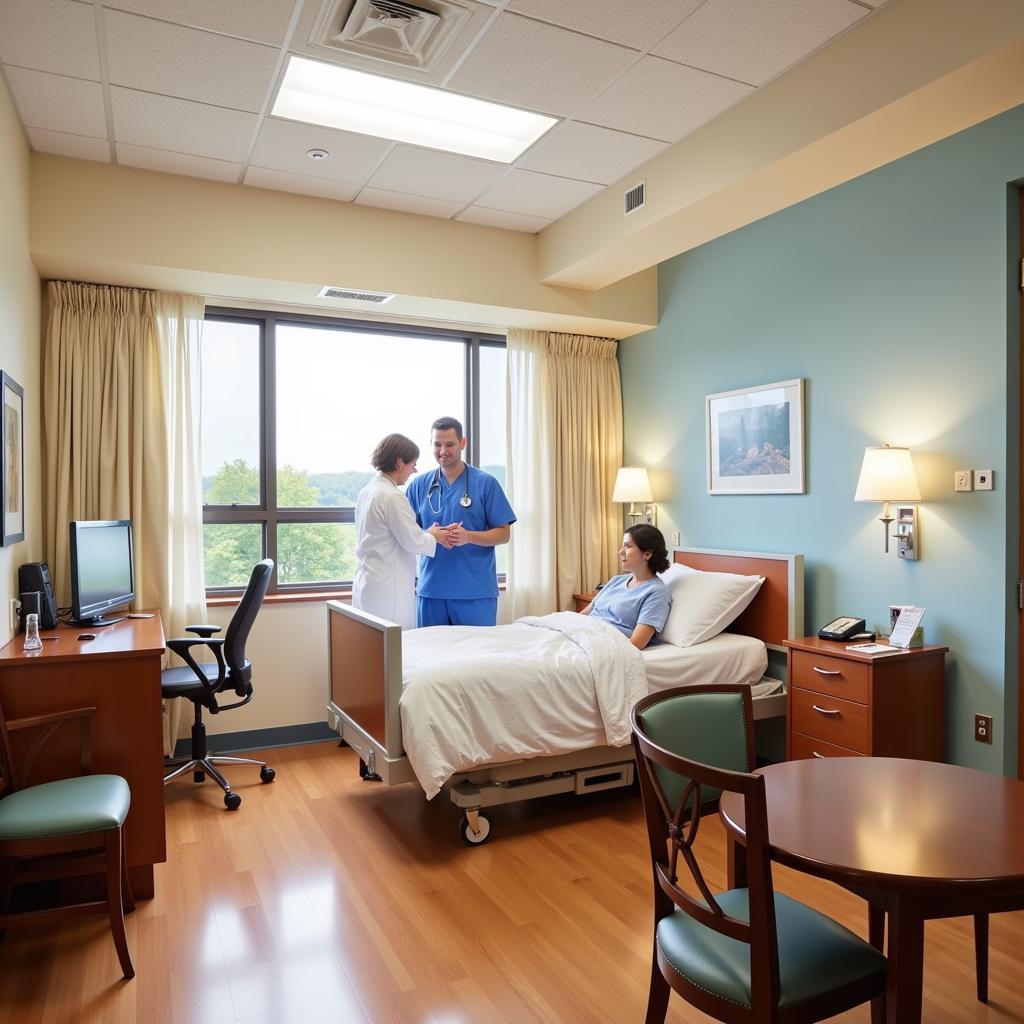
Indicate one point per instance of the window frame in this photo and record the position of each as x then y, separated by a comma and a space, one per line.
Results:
267, 514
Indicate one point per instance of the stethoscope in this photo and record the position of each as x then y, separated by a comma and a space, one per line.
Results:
435, 484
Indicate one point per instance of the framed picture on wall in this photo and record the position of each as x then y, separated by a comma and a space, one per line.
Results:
755, 439
12, 470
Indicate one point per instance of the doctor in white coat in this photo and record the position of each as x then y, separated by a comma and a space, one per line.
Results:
388, 538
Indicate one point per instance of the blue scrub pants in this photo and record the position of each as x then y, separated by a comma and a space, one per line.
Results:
439, 611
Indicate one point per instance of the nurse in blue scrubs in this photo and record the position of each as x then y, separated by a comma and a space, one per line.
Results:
459, 585
636, 603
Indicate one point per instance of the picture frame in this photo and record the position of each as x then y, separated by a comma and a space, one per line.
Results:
755, 439
12, 459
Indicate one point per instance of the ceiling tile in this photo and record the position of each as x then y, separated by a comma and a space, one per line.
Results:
662, 100
283, 145
754, 40
504, 219
408, 204
264, 21
50, 35
426, 172
529, 64
176, 163
63, 144
58, 103
480, 12
538, 195
303, 184
589, 153
639, 24
180, 126
183, 62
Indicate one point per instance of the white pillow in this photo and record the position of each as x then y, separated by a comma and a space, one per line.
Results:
704, 603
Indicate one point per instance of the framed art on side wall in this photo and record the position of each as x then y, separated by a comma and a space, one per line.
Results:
12, 471
755, 439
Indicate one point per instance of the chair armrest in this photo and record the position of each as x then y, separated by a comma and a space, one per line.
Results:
182, 648
204, 631
53, 722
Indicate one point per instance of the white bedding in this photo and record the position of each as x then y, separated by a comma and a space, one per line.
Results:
474, 696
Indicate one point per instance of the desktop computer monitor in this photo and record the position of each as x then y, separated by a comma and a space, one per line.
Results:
102, 576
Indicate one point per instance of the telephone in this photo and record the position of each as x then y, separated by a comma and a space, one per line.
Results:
841, 629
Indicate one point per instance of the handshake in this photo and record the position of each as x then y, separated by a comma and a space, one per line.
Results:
452, 536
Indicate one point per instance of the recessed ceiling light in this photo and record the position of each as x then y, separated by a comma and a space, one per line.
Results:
317, 154
353, 101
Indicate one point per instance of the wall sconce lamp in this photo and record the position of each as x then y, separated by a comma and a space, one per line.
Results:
632, 484
887, 474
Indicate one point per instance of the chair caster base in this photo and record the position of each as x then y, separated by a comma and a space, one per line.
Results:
232, 801
267, 774
199, 776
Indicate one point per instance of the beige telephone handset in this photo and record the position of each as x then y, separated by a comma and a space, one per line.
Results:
841, 629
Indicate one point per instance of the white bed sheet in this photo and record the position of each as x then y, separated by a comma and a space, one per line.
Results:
726, 658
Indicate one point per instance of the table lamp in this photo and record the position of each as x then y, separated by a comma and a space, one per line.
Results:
632, 484
887, 474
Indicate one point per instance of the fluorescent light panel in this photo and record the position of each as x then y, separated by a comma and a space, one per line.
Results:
390, 109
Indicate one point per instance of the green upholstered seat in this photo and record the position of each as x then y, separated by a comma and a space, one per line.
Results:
91, 803
816, 955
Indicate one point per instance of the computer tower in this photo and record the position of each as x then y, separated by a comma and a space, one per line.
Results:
35, 577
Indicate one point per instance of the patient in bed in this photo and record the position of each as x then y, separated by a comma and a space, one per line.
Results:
636, 602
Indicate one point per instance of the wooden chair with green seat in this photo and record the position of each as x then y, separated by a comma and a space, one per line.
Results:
745, 954
61, 829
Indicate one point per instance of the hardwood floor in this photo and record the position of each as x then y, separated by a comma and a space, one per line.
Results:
328, 899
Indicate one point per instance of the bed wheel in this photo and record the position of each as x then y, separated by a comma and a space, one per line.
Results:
366, 775
483, 830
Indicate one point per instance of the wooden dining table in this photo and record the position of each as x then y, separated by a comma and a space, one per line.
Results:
917, 839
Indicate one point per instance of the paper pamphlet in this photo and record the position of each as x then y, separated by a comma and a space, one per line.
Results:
872, 648
903, 632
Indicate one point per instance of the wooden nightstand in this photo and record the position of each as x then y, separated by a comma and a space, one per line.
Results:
582, 600
842, 703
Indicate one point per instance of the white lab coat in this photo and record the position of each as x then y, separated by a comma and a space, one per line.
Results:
388, 539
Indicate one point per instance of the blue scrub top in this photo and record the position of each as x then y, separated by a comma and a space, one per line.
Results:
628, 607
468, 572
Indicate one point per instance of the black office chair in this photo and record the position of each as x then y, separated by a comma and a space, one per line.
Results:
201, 684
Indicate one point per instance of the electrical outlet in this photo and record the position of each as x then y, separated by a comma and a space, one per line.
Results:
962, 480
983, 728
675, 539
983, 479
12, 620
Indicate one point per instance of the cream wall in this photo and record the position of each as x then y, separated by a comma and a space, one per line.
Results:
20, 299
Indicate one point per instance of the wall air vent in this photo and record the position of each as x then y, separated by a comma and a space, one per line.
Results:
634, 199
355, 294
414, 35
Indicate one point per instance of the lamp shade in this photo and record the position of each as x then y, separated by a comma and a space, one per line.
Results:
632, 484
887, 474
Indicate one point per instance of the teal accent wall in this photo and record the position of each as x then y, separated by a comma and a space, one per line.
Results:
894, 296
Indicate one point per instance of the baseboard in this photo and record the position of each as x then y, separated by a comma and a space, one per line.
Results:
261, 739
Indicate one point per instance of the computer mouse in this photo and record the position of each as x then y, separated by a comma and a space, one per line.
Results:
86, 636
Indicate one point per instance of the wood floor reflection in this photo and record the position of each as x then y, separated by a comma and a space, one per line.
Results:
327, 899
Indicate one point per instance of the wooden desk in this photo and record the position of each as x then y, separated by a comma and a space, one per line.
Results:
118, 673
916, 839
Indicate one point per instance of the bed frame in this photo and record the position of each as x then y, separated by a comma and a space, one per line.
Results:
365, 657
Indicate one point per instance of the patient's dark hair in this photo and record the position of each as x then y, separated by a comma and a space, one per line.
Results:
650, 538
448, 423
394, 447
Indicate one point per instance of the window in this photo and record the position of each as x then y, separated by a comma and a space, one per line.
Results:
292, 408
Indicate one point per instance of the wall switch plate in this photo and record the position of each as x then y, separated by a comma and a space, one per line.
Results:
983, 479
962, 480
983, 728
675, 539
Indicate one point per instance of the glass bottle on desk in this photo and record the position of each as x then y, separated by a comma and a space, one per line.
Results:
32, 641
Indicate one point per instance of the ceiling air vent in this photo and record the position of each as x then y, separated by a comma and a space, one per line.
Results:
330, 292
634, 198
411, 34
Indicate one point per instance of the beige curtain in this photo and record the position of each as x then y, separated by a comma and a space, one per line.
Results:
117, 391
564, 449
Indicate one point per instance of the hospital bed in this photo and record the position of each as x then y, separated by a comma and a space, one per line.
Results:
366, 684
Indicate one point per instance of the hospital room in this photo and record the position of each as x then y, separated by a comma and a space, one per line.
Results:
512, 511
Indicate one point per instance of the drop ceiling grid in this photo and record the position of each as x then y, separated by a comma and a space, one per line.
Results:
190, 85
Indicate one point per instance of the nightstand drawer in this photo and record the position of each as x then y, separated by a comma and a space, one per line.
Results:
837, 721
806, 746
838, 677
